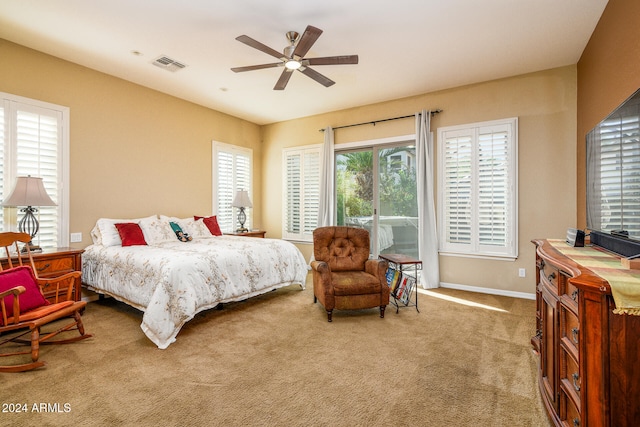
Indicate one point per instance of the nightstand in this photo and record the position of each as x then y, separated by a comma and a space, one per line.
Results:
55, 262
250, 233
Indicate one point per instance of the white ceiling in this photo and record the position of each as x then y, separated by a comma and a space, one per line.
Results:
405, 47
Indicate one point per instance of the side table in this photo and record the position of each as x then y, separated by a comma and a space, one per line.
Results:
55, 262
402, 264
250, 233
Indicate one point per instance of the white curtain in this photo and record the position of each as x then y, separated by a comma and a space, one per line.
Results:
428, 236
325, 210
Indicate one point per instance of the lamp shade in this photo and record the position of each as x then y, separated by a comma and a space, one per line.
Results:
28, 191
242, 200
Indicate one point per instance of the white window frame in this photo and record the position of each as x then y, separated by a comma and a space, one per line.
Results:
306, 217
238, 183
11, 104
508, 251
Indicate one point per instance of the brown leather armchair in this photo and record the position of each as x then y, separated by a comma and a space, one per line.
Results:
343, 275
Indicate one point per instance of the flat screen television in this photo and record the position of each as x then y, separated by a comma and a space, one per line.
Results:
613, 180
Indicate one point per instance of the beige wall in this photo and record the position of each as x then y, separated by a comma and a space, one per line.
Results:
545, 104
134, 151
608, 73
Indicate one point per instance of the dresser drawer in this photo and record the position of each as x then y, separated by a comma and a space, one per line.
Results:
570, 381
549, 275
569, 412
569, 330
55, 266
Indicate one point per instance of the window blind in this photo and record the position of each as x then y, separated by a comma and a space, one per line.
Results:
301, 192
232, 172
33, 143
478, 190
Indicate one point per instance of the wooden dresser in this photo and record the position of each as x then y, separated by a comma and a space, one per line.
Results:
589, 367
55, 262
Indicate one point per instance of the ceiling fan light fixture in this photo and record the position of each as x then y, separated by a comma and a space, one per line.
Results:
292, 64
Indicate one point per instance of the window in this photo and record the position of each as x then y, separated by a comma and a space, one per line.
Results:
477, 169
301, 192
34, 140
376, 189
232, 171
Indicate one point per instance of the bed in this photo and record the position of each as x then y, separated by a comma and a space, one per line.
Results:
171, 280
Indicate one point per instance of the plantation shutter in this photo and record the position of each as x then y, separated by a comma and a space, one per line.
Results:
457, 188
478, 189
493, 187
301, 193
293, 183
311, 192
34, 147
233, 172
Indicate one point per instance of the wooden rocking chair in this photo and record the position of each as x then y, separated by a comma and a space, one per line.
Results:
25, 309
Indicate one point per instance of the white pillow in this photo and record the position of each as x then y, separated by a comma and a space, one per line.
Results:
96, 237
156, 230
109, 232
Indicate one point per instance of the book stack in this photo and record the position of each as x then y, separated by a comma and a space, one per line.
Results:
400, 285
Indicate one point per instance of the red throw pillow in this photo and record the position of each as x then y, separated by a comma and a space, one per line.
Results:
130, 234
21, 276
212, 224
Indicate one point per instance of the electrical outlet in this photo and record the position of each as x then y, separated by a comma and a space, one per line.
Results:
522, 272
76, 237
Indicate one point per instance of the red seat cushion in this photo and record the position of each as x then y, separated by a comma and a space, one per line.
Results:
22, 276
40, 312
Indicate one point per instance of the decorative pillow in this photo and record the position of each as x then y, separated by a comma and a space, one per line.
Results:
130, 234
212, 224
156, 230
21, 276
181, 235
96, 236
108, 231
196, 229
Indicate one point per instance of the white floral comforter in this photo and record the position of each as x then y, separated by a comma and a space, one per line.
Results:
173, 281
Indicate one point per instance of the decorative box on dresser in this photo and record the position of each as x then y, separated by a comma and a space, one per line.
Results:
56, 262
589, 365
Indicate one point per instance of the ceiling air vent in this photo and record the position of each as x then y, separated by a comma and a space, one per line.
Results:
169, 64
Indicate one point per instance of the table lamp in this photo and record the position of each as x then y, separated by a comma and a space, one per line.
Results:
242, 201
29, 191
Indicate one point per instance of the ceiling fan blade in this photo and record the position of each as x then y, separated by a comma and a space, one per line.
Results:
256, 67
326, 82
307, 40
283, 80
334, 60
261, 47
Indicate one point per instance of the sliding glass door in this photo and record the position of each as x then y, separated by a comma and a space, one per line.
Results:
376, 190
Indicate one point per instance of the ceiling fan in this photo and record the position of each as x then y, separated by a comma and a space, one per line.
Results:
293, 58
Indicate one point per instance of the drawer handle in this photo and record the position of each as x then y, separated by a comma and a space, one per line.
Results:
44, 267
576, 380
576, 422
574, 295
552, 276
574, 335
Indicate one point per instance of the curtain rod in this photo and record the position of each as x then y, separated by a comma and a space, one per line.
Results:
433, 113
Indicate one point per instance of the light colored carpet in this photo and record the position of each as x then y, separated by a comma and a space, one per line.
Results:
464, 360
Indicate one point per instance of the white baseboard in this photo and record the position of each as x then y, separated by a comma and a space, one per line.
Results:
491, 291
